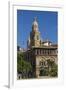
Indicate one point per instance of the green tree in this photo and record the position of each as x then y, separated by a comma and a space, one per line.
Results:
22, 65
53, 68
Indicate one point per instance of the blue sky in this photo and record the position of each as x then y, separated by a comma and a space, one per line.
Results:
47, 21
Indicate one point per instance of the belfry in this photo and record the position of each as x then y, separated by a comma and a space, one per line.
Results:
34, 35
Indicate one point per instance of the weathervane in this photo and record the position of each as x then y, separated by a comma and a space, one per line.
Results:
35, 18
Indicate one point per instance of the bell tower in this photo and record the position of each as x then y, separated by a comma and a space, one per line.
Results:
35, 34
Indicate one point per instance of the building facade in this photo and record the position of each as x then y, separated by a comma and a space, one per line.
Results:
40, 53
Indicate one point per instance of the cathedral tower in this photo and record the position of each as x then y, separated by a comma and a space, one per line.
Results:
35, 34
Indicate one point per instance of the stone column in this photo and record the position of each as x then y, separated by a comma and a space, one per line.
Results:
37, 72
37, 67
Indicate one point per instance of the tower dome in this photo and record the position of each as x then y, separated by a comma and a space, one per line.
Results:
35, 25
35, 22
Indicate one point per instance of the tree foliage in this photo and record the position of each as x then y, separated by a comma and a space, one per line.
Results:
54, 71
51, 70
22, 64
